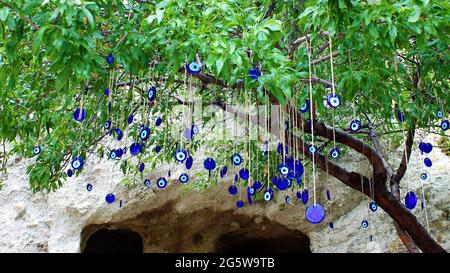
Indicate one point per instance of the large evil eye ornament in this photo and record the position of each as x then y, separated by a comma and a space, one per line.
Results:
151, 93
110, 59
79, 114
232, 189
107, 125
77, 163
335, 153
283, 169
439, 114
145, 133
193, 68
254, 73
400, 116
410, 200
236, 159
425, 147
37, 150
119, 134
334, 101
184, 178
312, 149
180, 155
305, 107
364, 224
135, 148
161, 183
373, 206
427, 162
315, 213
268, 195
355, 125
147, 183
445, 124
423, 176
244, 174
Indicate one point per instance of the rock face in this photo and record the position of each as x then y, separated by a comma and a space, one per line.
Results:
176, 220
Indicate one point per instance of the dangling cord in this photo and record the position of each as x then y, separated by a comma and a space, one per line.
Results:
423, 195
268, 140
249, 146
332, 88
312, 122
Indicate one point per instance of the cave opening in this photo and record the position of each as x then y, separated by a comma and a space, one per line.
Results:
114, 241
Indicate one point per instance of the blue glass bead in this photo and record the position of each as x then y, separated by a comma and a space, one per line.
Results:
151, 93
77, 163
334, 101
158, 121
130, 118
268, 195
79, 114
240, 203
236, 159
232, 189
161, 183
373, 206
69, 172
305, 196
141, 167
189, 162
147, 183
180, 155
37, 150
135, 148
315, 213
158, 149
110, 198
423, 176
335, 153
288, 199
257, 185
365, 224
193, 68
400, 116
110, 59
209, 164
119, 134
283, 169
328, 195
244, 174
184, 178
106, 92
223, 171
298, 195
410, 200
107, 125
254, 73
282, 184
427, 162
144, 133
355, 125
445, 124
89, 187
305, 107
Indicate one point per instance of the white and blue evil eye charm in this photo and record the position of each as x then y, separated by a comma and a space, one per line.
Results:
254, 73
236, 159
180, 155
305, 107
288, 200
439, 114
194, 130
113, 154
193, 68
145, 133
107, 125
373, 206
283, 169
89, 187
268, 195
161, 182
79, 114
355, 125
445, 124
37, 150
334, 101
365, 224
119, 134
147, 183
335, 153
184, 178
151, 93
77, 163
312, 149
423, 176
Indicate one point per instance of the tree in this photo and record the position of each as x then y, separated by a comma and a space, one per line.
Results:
389, 59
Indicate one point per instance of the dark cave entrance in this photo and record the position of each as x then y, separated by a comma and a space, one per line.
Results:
263, 243
114, 241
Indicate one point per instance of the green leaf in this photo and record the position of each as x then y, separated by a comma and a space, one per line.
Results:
159, 15
4, 12
219, 65
89, 17
415, 15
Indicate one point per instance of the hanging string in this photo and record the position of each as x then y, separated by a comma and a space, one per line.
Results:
312, 122
423, 195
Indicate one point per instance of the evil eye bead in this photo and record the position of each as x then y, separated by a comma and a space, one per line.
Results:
298, 195
400, 116
106, 92
445, 124
411, 200
257, 185
305, 107
130, 119
425, 147
107, 125
113, 154
439, 114
240, 204
119, 152
244, 174
288, 199
158, 149
77, 163
423, 176
189, 162
223, 171
283, 169
195, 130
251, 190
312, 149
184, 178
141, 167
158, 121
161, 183
282, 184
151, 93
427, 162
364, 224
254, 73
193, 68
147, 183
209, 164
232, 190
37, 150
331, 225
305, 196
334, 101
315, 213
373, 206
119, 134
145, 133
268, 195
110, 198
110, 59
69, 172
328, 195
236, 159
355, 125
89, 187
180, 155
135, 148
79, 114
335, 153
